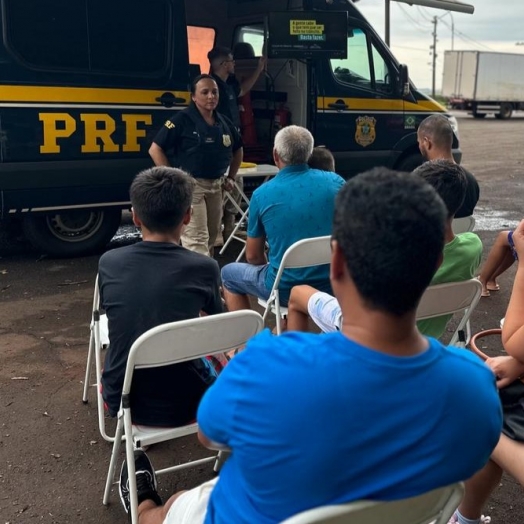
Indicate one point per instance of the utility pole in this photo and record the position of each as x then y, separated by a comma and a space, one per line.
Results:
387, 18
434, 51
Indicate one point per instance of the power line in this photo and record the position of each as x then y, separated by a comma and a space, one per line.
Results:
416, 24
466, 37
419, 9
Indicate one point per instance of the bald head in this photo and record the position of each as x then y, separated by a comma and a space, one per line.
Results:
435, 137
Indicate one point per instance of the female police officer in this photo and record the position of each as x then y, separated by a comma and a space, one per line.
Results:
205, 144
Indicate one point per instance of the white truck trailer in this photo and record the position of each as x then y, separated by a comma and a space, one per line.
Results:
484, 82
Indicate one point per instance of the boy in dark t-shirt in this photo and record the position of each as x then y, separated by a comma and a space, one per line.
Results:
151, 283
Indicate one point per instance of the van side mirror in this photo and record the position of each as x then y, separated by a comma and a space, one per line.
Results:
403, 80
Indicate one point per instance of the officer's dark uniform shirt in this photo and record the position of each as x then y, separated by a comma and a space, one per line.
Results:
229, 91
202, 150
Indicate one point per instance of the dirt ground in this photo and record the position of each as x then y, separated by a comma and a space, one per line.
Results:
53, 461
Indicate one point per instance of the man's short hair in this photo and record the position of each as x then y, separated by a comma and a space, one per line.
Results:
217, 53
390, 229
449, 181
294, 145
161, 196
322, 159
438, 129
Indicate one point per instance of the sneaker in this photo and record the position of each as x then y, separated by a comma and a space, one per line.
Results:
483, 519
146, 485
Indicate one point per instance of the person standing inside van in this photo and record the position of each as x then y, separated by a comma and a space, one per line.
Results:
205, 144
222, 68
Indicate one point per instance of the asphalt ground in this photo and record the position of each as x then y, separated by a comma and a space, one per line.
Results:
53, 461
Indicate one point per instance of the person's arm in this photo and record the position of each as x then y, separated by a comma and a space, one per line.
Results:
166, 139
158, 155
214, 303
218, 410
234, 166
210, 444
247, 84
506, 369
513, 329
256, 251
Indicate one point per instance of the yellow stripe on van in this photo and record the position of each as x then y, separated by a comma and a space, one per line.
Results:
373, 104
84, 95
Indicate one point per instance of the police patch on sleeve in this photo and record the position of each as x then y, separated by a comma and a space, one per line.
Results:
169, 124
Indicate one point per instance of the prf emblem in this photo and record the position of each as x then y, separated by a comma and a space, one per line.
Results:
365, 134
226, 140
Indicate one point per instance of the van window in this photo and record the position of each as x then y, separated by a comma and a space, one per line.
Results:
116, 37
128, 37
364, 66
50, 34
251, 34
200, 41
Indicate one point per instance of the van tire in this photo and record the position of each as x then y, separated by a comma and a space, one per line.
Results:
410, 162
72, 233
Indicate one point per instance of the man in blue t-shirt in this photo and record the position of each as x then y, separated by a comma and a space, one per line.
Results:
297, 204
375, 411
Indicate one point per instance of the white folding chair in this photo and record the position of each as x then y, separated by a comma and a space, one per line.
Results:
455, 297
304, 253
165, 345
463, 225
433, 507
98, 341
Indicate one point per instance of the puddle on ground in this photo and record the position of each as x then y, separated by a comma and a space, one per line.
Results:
126, 234
487, 219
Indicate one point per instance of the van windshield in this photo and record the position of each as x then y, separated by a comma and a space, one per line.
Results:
364, 66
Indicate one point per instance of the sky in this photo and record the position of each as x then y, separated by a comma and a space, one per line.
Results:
494, 26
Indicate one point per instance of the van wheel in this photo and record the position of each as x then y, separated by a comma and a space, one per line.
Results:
506, 110
72, 233
410, 162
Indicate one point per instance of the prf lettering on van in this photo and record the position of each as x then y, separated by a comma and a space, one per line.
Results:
98, 132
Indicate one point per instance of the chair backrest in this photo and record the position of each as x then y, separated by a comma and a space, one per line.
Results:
190, 339
435, 507
305, 253
463, 225
445, 299
448, 299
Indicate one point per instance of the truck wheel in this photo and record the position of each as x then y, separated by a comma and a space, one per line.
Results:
410, 162
506, 110
72, 233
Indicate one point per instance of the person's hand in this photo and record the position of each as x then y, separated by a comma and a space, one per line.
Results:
506, 369
229, 184
518, 240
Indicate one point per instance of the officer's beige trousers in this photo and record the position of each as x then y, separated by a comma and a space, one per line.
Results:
201, 232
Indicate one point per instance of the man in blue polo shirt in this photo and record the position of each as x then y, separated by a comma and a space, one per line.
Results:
298, 203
